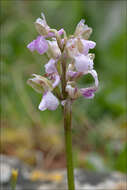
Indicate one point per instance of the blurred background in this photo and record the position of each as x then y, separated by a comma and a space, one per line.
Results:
99, 125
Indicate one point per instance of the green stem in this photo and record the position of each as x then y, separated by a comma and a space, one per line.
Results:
68, 143
63, 76
67, 124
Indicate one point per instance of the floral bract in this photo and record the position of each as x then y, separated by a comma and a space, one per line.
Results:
77, 59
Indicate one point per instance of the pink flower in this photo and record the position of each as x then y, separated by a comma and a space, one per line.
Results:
49, 101
40, 45
61, 49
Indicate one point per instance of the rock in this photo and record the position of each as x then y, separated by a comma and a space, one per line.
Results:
84, 180
5, 171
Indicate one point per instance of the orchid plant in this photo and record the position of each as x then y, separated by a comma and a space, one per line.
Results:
69, 60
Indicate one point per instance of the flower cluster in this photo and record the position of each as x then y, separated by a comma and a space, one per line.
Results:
69, 59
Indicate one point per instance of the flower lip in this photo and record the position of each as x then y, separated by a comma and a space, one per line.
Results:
50, 67
88, 92
83, 63
49, 101
39, 44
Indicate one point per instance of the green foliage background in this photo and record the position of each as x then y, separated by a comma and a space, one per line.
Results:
99, 125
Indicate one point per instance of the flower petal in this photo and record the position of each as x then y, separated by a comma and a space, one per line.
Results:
80, 27
41, 45
53, 50
72, 47
49, 101
83, 63
61, 31
42, 105
42, 26
72, 74
86, 45
88, 92
83, 30
94, 74
56, 81
50, 66
31, 46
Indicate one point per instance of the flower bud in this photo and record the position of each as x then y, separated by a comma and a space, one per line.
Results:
79, 28
40, 84
87, 32
83, 30
42, 26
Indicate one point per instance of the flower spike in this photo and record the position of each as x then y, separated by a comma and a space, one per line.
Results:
69, 60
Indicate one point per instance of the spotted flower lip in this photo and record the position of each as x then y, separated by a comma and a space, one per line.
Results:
49, 101
88, 92
39, 44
